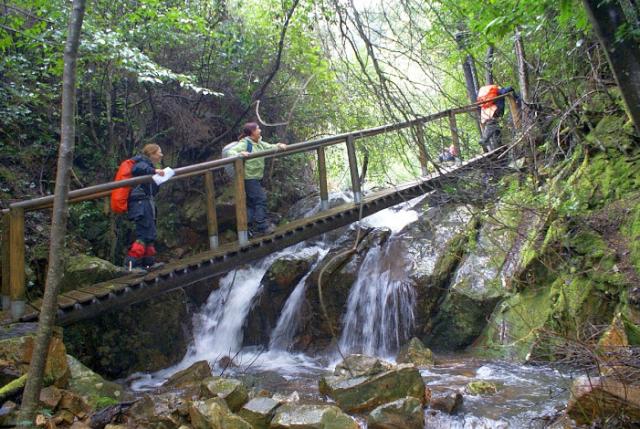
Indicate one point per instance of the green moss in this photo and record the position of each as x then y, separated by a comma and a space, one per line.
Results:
105, 401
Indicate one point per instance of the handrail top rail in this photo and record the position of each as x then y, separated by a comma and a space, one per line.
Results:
42, 202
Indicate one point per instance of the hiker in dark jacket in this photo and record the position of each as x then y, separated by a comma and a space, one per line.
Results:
142, 209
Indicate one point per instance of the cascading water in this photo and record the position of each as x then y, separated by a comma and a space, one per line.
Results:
380, 310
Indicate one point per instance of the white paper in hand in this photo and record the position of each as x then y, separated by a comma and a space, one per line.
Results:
168, 174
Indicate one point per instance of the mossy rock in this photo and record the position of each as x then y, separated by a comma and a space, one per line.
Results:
482, 387
94, 389
85, 270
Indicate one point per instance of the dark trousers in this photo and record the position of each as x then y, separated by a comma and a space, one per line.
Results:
256, 204
491, 136
142, 212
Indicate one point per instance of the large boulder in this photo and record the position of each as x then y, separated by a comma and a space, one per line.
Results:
277, 284
259, 412
476, 287
357, 365
214, 414
417, 353
307, 416
434, 246
602, 398
94, 389
16, 348
448, 403
167, 410
232, 391
147, 336
84, 270
339, 270
405, 413
365, 392
193, 374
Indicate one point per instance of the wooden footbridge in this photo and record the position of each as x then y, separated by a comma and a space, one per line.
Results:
92, 300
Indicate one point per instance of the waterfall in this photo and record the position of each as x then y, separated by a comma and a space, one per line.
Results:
287, 325
380, 308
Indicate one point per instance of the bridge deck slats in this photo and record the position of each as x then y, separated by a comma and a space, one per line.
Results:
65, 303
101, 290
81, 297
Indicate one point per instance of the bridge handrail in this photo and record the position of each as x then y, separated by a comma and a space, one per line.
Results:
103, 189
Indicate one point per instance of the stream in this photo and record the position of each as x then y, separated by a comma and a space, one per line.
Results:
379, 319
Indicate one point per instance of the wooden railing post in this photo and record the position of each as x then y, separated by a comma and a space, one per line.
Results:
322, 177
422, 149
353, 168
515, 111
455, 138
241, 203
16, 262
212, 218
6, 288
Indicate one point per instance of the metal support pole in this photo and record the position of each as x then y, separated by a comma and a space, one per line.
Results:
241, 203
16, 262
6, 288
353, 168
422, 149
322, 177
212, 219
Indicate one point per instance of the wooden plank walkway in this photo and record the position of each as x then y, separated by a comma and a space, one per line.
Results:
90, 301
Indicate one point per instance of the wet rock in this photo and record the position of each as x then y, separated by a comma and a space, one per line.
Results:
264, 380
339, 270
159, 411
50, 397
148, 336
73, 404
9, 414
195, 373
481, 387
208, 414
417, 353
363, 393
85, 270
277, 284
603, 398
435, 245
232, 391
16, 349
303, 416
94, 389
357, 365
259, 412
449, 403
405, 413
226, 362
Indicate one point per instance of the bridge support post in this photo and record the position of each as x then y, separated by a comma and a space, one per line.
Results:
241, 203
6, 288
455, 138
353, 168
322, 177
16, 262
422, 149
212, 218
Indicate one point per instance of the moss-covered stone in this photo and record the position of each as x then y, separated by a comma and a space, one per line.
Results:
142, 337
309, 416
85, 270
94, 389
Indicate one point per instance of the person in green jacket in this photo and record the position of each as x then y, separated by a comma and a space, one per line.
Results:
250, 142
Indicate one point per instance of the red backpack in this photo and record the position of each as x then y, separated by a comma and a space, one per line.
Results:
120, 196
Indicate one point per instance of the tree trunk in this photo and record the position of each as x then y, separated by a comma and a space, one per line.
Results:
58, 222
623, 55
488, 64
523, 72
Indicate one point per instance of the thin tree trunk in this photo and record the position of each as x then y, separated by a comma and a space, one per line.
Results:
58, 222
623, 55
523, 72
488, 64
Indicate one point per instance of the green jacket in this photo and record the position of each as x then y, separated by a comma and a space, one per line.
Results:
253, 168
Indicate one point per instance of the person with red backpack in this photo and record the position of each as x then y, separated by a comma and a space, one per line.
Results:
490, 113
141, 209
